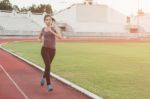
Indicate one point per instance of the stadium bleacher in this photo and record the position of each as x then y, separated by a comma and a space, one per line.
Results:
18, 25
23, 24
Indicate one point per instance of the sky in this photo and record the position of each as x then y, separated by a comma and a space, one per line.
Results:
127, 7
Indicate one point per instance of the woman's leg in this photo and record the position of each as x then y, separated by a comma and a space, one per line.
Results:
48, 55
48, 69
45, 56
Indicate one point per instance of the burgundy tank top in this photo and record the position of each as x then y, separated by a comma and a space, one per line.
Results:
48, 39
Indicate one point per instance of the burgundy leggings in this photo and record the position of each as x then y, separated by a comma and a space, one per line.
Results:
47, 55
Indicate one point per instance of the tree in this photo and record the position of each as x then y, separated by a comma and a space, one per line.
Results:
49, 9
41, 8
15, 7
5, 5
24, 9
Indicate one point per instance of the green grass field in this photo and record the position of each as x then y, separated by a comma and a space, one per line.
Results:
110, 70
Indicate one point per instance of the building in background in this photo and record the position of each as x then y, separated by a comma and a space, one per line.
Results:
91, 17
87, 19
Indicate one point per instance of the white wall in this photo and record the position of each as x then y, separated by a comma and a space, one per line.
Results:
5, 14
116, 17
91, 13
67, 16
92, 18
39, 19
18, 23
99, 27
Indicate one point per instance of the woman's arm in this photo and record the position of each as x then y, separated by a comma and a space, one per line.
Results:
56, 33
40, 37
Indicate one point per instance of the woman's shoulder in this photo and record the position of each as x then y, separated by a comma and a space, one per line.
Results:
42, 30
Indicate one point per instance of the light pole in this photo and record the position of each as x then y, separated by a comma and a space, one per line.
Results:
139, 14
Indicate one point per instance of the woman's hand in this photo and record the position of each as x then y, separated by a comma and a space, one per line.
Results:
58, 35
40, 40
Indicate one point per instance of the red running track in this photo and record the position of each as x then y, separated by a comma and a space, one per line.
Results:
19, 80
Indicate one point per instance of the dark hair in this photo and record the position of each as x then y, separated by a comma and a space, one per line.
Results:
53, 19
46, 16
50, 17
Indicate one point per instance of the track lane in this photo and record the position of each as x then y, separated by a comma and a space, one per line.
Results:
7, 88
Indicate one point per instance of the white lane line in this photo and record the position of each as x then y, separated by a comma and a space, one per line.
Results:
24, 95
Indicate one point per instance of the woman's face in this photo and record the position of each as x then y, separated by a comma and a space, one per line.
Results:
48, 21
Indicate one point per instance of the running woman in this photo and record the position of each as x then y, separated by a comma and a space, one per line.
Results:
47, 37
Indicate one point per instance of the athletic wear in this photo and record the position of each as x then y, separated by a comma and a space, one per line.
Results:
49, 39
48, 53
